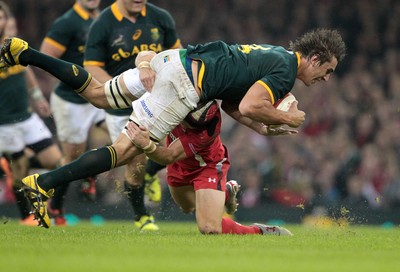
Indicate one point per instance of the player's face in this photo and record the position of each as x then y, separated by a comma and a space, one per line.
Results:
11, 28
3, 22
317, 72
133, 6
89, 5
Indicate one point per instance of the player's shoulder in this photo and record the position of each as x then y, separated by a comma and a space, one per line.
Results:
156, 11
68, 16
106, 18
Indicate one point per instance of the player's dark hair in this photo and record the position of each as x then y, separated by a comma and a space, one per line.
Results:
324, 43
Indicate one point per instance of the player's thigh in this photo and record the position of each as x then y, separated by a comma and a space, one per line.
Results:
209, 210
184, 196
50, 157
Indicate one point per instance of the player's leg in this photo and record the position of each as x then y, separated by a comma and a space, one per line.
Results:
12, 144
133, 177
184, 196
73, 132
115, 93
152, 182
41, 187
19, 168
209, 210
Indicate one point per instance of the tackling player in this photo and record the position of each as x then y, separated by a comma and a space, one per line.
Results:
197, 168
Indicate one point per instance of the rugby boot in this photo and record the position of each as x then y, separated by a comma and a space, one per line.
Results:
231, 204
273, 230
38, 199
11, 50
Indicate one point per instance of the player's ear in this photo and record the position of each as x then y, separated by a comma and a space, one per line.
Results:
314, 60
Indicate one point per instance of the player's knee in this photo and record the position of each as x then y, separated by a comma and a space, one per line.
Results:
187, 210
210, 228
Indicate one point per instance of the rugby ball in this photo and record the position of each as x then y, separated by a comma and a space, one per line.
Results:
284, 103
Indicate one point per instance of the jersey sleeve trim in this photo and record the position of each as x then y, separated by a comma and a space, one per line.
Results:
262, 83
93, 63
201, 76
177, 44
55, 44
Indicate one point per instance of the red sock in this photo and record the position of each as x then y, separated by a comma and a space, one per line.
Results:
231, 227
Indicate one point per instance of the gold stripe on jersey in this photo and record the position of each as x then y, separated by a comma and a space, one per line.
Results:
298, 58
83, 87
268, 89
93, 63
116, 98
118, 14
12, 71
113, 155
201, 76
81, 12
177, 44
56, 44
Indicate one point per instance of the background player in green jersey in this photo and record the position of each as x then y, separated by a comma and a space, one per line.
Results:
18, 86
66, 40
181, 82
122, 31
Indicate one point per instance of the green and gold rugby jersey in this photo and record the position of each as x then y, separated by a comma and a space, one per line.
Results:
68, 33
114, 42
14, 100
228, 71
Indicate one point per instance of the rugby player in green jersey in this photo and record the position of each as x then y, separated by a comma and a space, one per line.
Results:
118, 35
248, 79
18, 86
66, 40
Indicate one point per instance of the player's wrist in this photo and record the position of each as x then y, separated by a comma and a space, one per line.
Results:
150, 148
143, 64
36, 94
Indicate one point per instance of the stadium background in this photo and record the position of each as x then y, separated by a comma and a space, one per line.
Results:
347, 154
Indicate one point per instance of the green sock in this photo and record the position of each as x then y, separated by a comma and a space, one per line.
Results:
89, 164
71, 74
136, 198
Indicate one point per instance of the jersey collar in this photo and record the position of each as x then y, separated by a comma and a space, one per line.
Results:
298, 58
81, 12
118, 14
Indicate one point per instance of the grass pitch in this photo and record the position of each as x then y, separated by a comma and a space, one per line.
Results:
116, 246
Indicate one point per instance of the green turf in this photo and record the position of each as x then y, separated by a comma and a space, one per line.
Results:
116, 246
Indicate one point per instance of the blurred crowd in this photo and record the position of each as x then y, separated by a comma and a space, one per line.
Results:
347, 153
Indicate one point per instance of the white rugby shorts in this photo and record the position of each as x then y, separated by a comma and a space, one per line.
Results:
73, 121
15, 137
173, 96
116, 124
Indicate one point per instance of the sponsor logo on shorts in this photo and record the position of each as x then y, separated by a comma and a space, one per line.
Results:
213, 180
146, 109
166, 59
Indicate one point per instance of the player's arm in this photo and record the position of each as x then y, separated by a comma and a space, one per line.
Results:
146, 75
258, 106
233, 111
36, 94
140, 137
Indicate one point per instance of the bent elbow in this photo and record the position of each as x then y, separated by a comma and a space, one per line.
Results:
245, 110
